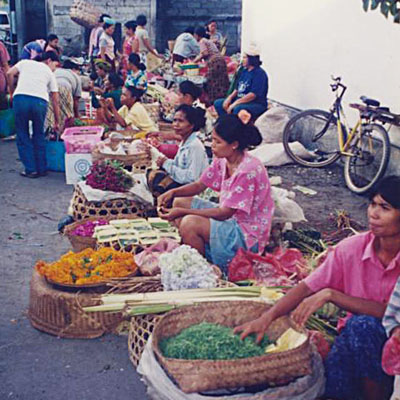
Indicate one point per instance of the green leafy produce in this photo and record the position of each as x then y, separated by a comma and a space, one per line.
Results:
207, 341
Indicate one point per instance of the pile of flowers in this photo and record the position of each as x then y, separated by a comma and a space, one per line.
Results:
186, 268
109, 175
88, 266
87, 228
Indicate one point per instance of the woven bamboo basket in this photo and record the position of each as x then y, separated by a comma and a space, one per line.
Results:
153, 110
84, 13
142, 326
140, 161
60, 313
80, 243
204, 375
111, 209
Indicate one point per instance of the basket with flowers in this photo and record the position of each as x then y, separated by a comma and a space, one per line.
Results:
88, 267
109, 175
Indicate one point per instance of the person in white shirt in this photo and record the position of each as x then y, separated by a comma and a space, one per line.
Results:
30, 99
142, 35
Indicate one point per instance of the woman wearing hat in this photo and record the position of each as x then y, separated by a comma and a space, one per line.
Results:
251, 89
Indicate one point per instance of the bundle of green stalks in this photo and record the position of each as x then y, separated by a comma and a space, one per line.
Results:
136, 304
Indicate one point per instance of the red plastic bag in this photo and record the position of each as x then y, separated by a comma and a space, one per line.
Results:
391, 356
320, 342
264, 269
269, 269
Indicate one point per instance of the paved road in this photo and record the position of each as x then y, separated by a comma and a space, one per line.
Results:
34, 365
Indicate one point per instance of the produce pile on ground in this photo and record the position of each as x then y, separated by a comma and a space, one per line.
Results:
109, 175
207, 341
88, 266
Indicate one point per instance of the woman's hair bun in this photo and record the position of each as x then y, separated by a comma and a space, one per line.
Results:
230, 128
195, 115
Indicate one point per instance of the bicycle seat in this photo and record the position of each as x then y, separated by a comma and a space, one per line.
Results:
385, 109
370, 102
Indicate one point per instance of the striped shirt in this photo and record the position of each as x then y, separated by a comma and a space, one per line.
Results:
392, 314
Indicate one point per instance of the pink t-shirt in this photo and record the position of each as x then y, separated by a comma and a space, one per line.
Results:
248, 191
354, 269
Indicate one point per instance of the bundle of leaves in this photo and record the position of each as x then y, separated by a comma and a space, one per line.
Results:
207, 341
109, 175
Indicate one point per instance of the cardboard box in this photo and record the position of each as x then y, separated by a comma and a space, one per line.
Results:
76, 167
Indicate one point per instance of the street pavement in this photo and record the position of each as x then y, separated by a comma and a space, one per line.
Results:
35, 365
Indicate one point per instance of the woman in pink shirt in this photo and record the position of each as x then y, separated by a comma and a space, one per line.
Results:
130, 45
242, 219
358, 276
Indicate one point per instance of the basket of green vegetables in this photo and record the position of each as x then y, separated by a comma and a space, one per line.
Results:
199, 351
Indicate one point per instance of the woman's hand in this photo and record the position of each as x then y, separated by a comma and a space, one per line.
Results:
160, 161
396, 333
171, 214
309, 305
258, 326
226, 104
230, 108
165, 199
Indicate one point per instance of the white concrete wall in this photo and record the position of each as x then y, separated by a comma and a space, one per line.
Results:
303, 42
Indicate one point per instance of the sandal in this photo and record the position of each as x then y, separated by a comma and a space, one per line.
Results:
31, 175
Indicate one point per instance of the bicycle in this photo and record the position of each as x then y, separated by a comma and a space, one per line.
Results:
326, 136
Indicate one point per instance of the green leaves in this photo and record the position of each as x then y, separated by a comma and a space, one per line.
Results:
386, 7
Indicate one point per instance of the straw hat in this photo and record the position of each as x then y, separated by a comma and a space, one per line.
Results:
252, 50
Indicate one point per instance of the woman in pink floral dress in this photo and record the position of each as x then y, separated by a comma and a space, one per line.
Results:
243, 217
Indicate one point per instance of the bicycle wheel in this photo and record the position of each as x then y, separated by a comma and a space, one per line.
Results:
370, 156
316, 130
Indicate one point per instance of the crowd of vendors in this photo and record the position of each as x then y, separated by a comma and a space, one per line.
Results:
205, 146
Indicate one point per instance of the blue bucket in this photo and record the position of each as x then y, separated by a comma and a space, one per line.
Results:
55, 156
7, 123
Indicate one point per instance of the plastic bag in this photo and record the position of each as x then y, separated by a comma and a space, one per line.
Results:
270, 269
272, 123
161, 387
286, 209
391, 356
274, 154
148, 259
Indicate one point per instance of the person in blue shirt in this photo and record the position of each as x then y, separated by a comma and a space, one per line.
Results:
251, 89
191, 159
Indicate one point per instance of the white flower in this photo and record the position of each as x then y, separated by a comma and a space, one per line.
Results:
239, 189
210, 174
265, 210
254, 227
251, 175
262, 186
215, 184
186, 268
242, 204
251, 188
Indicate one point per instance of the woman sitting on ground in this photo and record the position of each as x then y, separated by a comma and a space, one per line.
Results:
131, 116
191, 158
136, 73
207, 47
242, 219
358, 276
99, 77
251, 91
113, 90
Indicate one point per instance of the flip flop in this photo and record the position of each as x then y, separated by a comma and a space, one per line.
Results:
31, 175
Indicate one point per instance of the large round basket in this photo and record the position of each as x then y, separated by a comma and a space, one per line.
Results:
139, 162
84, 13
142, 326
60, 312
80, 243
83, 209
204, 375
